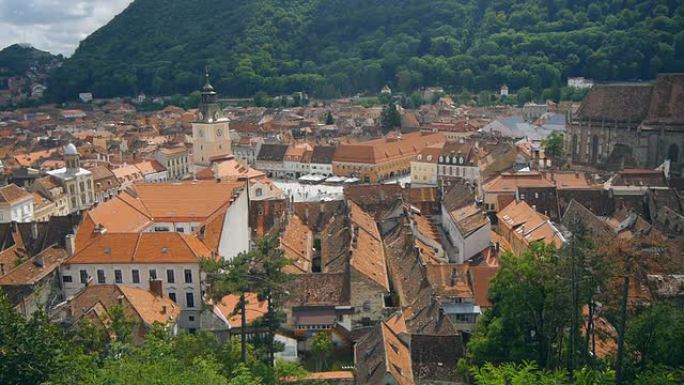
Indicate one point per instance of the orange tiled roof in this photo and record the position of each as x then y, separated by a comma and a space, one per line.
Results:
386, 149
397, 357
12, 194
509, 182
426, 228
481, 277
26, 160
101, 298
118, 215
230, 169
151, 308
147, 167
129, 173
173, 150
528, 225
229, 306
449, 279
296, 242
368, 252
178, 201
112, 248
34, 269
397, 323
9, 258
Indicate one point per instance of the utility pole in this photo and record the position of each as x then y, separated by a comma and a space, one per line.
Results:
243, 330
621, 332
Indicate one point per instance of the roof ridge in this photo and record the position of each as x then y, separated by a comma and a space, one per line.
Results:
384, 346
123, 292
148, 214
137, 245
185, 237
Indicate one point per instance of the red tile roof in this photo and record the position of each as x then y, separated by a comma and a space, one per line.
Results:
142, 248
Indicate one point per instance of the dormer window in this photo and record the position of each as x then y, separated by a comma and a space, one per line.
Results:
429, 158
453, 160
419, 157
441, 159
460, 160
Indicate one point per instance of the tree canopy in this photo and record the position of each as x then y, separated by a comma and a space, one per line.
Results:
330, 48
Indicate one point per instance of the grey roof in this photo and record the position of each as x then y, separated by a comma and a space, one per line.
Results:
323, 154
272, 152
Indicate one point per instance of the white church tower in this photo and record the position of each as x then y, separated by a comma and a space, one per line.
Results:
210, 130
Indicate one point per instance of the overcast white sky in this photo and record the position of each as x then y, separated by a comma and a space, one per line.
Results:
54, 25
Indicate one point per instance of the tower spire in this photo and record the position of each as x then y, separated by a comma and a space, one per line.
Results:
208, 88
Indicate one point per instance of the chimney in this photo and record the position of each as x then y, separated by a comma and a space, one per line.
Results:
120, 299
39, 262
156, 287
70, 244
164, 309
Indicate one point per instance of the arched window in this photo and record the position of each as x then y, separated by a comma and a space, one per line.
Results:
441, 159
419, 157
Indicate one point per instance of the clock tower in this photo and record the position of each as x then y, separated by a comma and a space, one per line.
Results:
210, 129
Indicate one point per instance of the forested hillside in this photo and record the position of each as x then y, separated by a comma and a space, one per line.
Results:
330, 47
17, 59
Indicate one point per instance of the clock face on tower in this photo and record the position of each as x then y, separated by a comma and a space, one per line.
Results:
219, 132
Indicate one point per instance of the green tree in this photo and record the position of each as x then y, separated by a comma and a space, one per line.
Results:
321, 348
530, 311
329, 118
33, 351
525, 95
145, 368
553, 145
528, 373
390, 118
231, 277
260, 270
650, 335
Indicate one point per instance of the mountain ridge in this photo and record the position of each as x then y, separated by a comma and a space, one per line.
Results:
331, 48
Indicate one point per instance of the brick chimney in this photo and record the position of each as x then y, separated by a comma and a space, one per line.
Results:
156, 287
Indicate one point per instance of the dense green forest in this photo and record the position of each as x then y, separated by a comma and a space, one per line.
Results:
331, 48
17, 59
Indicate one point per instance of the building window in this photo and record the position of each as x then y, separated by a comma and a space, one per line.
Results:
259, 192
136, 276
67, 279
84, 276
180, 230
118, 277
161, 229
172, 297
170, 278
188, 276
101, 276
153, 274
189, 300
